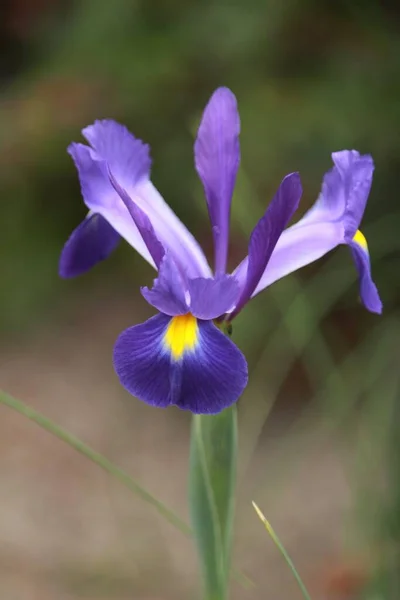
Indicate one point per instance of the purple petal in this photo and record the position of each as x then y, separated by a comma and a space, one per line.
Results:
168, 291
128, 159
141, 221
209, 374
217, 157
368, 291
357, 172
101, 198
92, 241
267, 232
211, 298
298, 246
345, 191
333, 219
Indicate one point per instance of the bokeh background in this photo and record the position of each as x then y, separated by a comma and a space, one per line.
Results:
319, 423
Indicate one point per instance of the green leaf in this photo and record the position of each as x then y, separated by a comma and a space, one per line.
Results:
212, 477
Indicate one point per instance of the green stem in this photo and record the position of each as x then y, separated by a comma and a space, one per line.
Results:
212, 477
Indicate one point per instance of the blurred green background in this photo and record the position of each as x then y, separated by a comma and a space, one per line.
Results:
311, 78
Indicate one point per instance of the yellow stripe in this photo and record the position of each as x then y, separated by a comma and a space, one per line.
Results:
181, 335
359, 239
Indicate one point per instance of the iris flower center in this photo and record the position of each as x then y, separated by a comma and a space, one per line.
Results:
181, 335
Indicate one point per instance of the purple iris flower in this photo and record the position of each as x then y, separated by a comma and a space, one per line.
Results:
181, 356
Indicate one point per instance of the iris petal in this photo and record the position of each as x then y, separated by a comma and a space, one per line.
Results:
334, 219
92, 241
207, 376
101, 198
217, 157
129, 162
368, 291
211, 298
267, 232
128, 157
344, 193
296, 248
141, 221
168, 291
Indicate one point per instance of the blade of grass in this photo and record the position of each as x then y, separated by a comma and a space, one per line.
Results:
282, 550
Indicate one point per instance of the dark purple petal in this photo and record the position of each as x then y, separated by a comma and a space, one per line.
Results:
207, 377
92, 241
217, 157
141, 221
214, 376
211, 298
141, 362
368, 291
267, 232
168, 291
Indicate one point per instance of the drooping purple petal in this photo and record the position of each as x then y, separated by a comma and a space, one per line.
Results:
168, 291
129, 162
207, 377
91, 242
211, 298
141, 221
217, 157
267, 232
215, 376
368, 291
141, 362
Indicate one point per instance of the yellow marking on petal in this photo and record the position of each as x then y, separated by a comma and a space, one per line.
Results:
359, 239
181, 335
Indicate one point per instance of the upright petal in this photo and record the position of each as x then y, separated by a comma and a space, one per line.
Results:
266, 234
368, 291
168, 291
180, 361
217, 157
128, 159
92, 241
211, 298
